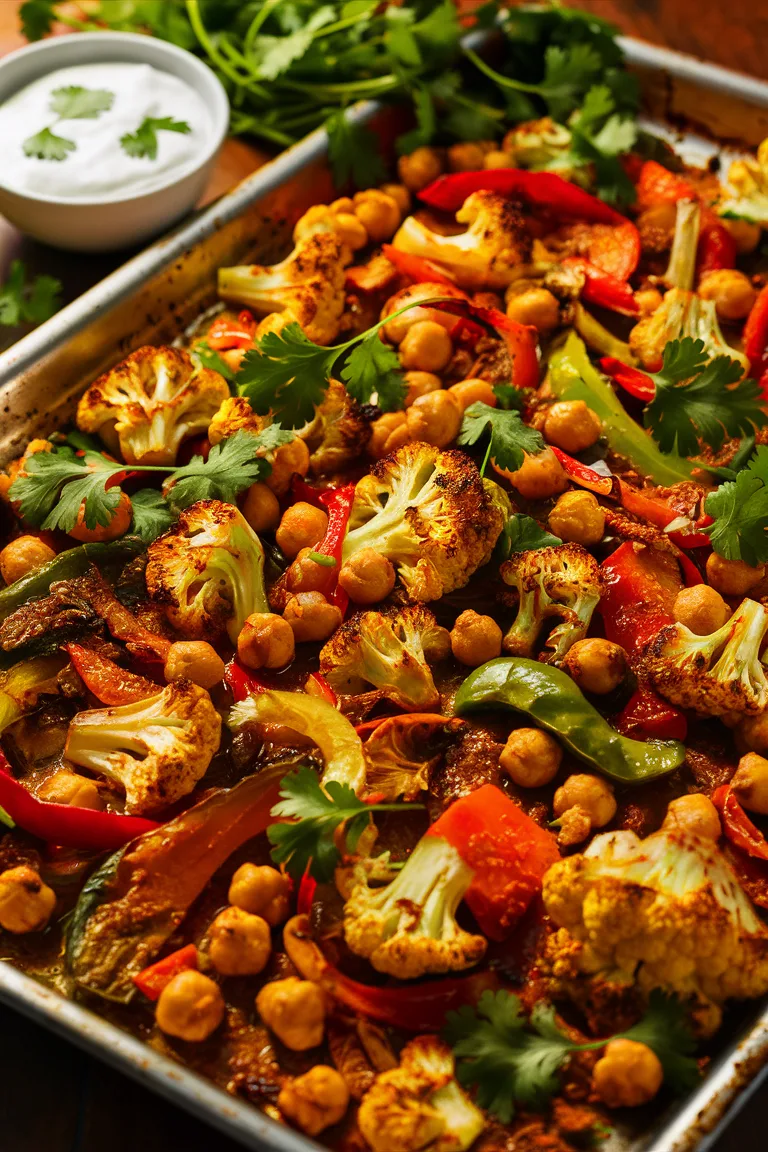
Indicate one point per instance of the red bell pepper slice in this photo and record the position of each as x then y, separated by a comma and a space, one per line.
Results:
657, 185
226, 332
152, 980
338, 504
541, 189
241, 681
717, 247
583, 475
306, 894
603, 289
108, 682
751, 873
522, 340
647, 717
737, 826
615, 249
638, 384
658, 511
83, 828
508, 851
415, 268
317, 685
756, 336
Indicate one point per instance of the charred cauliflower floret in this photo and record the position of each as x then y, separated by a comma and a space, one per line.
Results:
208, 572
408, 928
155, 750
308, 286
235, 415
714, 674
151, 401
487, 255
665, 912
562, 582
680, 314
748, 188
419, 1106
388, 650
339, 433
431, 514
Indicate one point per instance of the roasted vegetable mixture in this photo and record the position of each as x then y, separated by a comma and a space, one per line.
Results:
383, 697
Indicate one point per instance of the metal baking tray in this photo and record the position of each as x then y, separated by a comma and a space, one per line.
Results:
154, 297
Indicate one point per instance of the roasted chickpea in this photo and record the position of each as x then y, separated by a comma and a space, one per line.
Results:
69, 788
752, 733
577, 518
539, 477
194, 660
434, 418
420, 168
119, 523
262, 891
311, 617
750, 783
597, 665
420, 384
367, 577
627, 1075
530, 757
732, 292
294, 1010
400, 195
591, 793
305, 574
426, 347
26, 903
190, 1007
266, 641
261, 508
571, 426
386, 434
394, 331
24, 555
475, 639
351, 230
240, 943
302, 526
498, 159
694, 813
316, 1100
287, 460
745, 233
733, 577
468, 156
648, 300
472, 391
536, 306
378, 212
701, 609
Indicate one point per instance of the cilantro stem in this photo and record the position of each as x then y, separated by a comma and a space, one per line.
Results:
256, 24
502, 81
323, 560
207, 44
487, 455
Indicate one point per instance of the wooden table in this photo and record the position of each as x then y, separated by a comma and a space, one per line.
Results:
52, 1097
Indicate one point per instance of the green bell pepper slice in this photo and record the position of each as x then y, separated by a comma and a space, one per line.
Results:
553, 701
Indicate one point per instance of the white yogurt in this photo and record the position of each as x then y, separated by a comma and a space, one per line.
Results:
98, 168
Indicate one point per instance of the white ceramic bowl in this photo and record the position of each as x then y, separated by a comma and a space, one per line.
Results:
101, 224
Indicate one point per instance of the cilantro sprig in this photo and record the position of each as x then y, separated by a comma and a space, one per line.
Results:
28, 301
510, 439
740, 512
142, 144
513, 1060
71, 103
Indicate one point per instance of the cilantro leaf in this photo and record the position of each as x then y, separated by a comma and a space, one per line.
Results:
510, 438
151, 514
522, 534
507, 396
286, 374
142, 144
599, 136
52, 489
77, 103
27, 302
46, 145
568, 73
740, 512
11, 295
373, 368
665, 1029
426, 122
274, 55
353, 151
207, 357
36, 18
232, 465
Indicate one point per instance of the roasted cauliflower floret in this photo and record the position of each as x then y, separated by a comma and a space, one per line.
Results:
430, 513
408, 928
714, 674
151, 401
235, 415
665, 912
748, 188
339, 433
308, 286
388, 650
680, 314
495, 244
208, 572
544, 145
156, 749
562, 582
419, 1106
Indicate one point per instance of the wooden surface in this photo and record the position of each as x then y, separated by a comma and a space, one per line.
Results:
55, 1099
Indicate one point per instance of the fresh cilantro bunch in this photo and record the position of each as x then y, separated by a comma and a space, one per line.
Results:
509, 441
28, 301
740, 512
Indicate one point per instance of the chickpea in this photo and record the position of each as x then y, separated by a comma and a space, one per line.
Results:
498, 159
65, 787
420, 384
119, 523
24, 555
627, 1075
26, 903
701, 609
383, 432
315, 1100
305, 574
400, 195
732, 292
750, 783
538, 477
302, 526
351, 230
261, 508
426, 347
420, 168
597, 665
475, 639
571, 426
694, 813
190, 1007
434, 418
746, 235
286, 460
732, 577
530, 757
266, 641
648, 300
472, 391
577, 518
194, 660
394, 331
536, 306
378, 212
591, 793
367, 577
240, 943
468, 156
261, 890
311, 617
294, 1010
